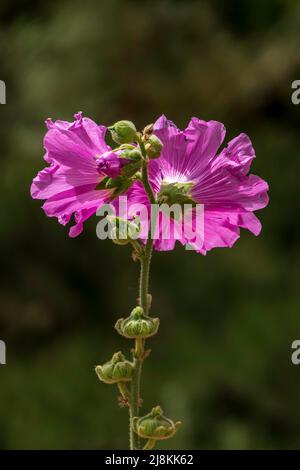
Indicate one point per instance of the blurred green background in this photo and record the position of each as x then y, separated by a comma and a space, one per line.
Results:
221, 362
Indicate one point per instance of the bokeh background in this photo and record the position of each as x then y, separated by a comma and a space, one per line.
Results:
221, 362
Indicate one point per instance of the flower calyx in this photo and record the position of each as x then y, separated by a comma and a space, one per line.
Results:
137, 325
118, 369
155, 426
175, 193
123, 231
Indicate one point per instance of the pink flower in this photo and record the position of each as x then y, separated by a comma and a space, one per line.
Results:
189, 163
75, 153
109, 163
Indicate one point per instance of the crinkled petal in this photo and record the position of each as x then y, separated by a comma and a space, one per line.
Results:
80, 217
76, 145
90, 134
69, 183
237, 155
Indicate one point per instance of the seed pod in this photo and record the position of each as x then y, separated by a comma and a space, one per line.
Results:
155, 425
137, 325
118, 369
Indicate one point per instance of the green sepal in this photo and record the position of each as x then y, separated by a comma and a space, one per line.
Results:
103, 183
132, 154
131, 168
120, 184
155, 425
137, 325
118, 369
112, 183
123, 231
176, 193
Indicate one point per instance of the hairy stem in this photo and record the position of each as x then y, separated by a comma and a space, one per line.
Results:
139, 350
150, 444
139, 346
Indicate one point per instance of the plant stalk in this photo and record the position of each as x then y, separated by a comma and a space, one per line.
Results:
139, 350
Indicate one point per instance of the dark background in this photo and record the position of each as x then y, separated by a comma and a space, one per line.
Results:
221, 362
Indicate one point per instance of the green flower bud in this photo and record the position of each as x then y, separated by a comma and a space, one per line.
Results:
118, 369
137, 325
123, 132
155, 425
147, 131
153, 146
133, 154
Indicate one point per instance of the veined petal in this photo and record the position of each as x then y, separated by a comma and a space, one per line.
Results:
204, 139
58, 178
76, 199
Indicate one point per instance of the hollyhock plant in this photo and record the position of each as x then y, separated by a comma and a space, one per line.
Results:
162, 167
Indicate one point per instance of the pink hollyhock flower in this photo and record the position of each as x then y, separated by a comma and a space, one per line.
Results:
190, 166
78, 160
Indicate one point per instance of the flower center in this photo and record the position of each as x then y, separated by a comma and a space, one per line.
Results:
175, 193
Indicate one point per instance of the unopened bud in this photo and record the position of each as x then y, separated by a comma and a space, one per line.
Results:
153, 146
148, 131
137, 325
108, 164
118, 369
123, 132
155, 425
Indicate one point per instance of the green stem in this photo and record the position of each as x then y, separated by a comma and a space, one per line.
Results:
149, 445
145, 178
123, 390
146, 182
139, 346
135, 401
